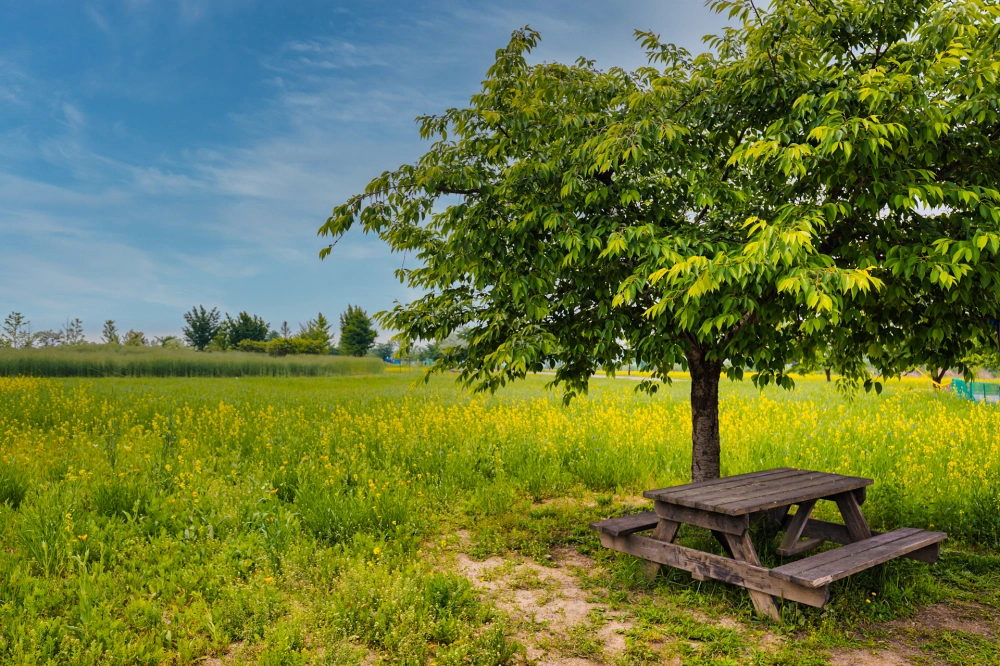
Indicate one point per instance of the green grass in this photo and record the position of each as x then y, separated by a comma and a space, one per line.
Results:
312, 520
123, 361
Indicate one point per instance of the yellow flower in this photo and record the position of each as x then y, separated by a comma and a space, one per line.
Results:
82, 537
269, 579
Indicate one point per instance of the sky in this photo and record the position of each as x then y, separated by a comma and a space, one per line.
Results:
160, 154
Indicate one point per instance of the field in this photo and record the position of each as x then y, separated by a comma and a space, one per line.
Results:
124, 361
361, 520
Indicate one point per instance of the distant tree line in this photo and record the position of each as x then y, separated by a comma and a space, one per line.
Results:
209, 330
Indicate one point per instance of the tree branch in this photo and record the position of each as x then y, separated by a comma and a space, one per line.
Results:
774, 67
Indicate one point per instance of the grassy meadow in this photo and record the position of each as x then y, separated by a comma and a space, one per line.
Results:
320, 520
126, 361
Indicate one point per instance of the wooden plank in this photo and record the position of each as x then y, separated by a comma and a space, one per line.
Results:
709, 565
751, 488
624, 525
724, 486
742, 549
652, 494
795, 490
793, 494
820, 570
699, 518
793, 531
800, 547
837, 533
665, 530
860, 494
855, 521
831, 556
746, 499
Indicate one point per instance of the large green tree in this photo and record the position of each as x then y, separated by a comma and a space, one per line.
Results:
357, 335
823, 183
202, 326
317, 330
244, 327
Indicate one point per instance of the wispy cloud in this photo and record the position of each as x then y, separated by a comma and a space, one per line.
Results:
97, 18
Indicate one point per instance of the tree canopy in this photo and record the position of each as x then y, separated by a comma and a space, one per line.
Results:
203, 326
356, 332
823, 182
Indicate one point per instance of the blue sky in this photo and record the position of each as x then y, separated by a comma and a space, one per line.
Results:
157, 154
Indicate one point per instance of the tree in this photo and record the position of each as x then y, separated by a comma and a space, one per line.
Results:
826, 178
245, 327
317, 330
356, 332
168, 341
110, 333
16, 332
135, 339
48, 338
202, 326
73, 332
383, 350
285, 331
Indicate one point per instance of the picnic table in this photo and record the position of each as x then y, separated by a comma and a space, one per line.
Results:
729, 505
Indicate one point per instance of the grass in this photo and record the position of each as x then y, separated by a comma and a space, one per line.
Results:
310, 520
124, 361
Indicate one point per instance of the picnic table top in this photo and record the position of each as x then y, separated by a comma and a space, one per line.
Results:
757, 491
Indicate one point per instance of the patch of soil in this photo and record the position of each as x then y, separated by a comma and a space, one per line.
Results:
547, 601
868, 658
970, 618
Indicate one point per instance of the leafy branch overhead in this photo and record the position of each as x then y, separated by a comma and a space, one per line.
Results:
824, 181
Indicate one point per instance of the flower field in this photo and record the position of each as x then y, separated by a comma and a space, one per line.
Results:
303, 520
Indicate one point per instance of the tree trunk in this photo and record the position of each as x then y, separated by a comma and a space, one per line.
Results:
827, 374
704, 415
938, 376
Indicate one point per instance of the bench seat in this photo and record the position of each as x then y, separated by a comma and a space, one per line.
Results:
625, 525
824, 568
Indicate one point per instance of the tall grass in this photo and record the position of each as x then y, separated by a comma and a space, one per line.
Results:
122, 361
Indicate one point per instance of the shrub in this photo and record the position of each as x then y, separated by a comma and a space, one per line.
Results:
280, 347
253, 346
309, 346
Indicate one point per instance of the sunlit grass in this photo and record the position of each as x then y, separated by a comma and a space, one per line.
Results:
163, 519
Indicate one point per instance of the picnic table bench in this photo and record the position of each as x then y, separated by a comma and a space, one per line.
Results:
728, 506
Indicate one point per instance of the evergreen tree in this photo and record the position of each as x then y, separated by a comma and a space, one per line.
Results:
73, 332
202, 326
285, 331
110, 333
317, 329
16, 331
356, 332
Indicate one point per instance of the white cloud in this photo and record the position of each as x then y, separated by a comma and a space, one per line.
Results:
97, 19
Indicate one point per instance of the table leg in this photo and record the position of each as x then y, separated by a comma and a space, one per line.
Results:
743, 550
665, 530
854, 520
793, 530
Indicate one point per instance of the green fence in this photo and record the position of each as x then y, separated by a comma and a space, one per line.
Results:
979, 391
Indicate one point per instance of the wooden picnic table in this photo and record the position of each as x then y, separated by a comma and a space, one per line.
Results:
728, 506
